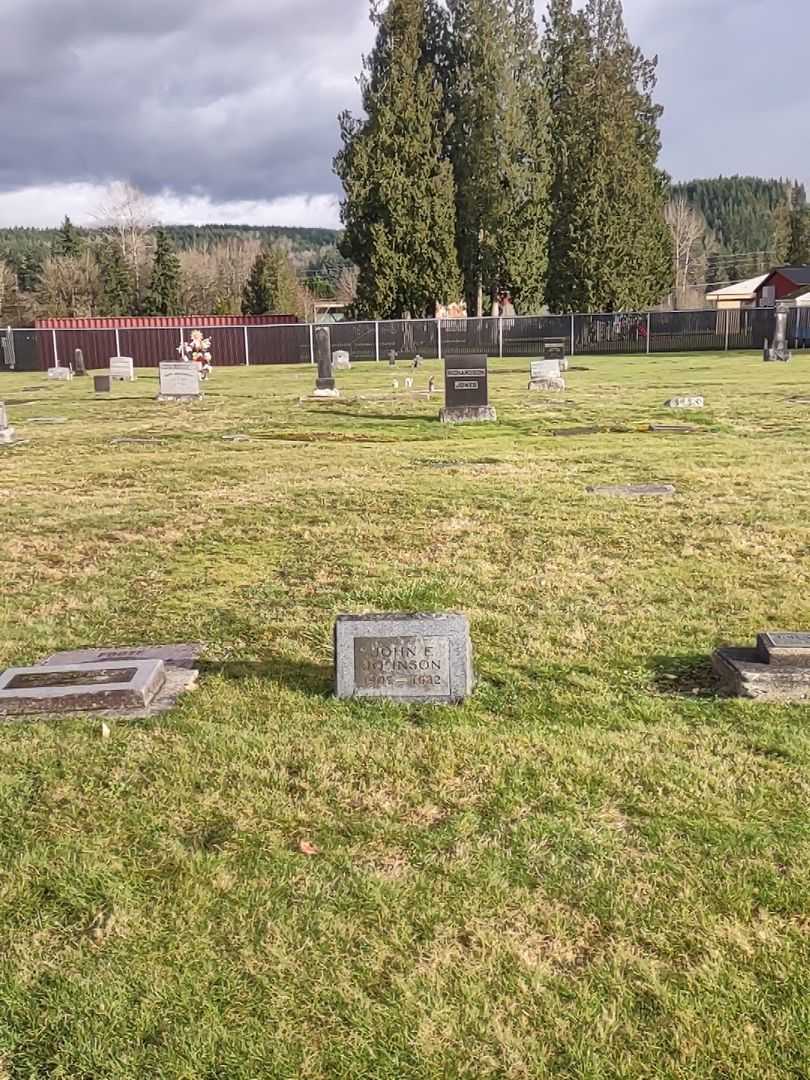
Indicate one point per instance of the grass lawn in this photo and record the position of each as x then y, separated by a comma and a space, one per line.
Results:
595, 868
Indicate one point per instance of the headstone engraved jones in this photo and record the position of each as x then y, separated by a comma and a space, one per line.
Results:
466, 389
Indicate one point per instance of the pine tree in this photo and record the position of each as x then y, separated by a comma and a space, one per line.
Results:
163, 295
272, 287
399, 206
791, 231
610, 248
117, 298
68, 241
499, 147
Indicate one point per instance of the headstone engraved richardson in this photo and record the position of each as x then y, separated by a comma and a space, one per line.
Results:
122, 369
179, 381
404, 657
776, 669
466, 390
545, 375
6, 431
325, 383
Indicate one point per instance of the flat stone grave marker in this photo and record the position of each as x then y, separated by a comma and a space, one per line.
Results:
179, 381
122, 369
777, 669
675, 429
466, 390
61, 374
404, 657
102, 384
46, 420
685, 402
563, 432
633, 491
341, 361
50, 688
181, 655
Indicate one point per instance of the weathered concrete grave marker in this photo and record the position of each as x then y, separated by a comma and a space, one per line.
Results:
6, 430
545, 375
466, 390
779, 350
633, 491
122, 369
126, 684
777, 669
78, 363
404, 657
61, 374
341, 361
179, 381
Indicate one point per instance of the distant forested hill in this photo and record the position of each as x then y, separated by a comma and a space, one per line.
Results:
25, 249
740, 212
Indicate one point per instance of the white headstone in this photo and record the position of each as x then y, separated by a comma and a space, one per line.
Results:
122, 369
6, 432
64, 374
341, 361
179, 380
685, 403
545, 369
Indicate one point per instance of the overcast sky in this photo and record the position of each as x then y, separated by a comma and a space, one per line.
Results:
226, 111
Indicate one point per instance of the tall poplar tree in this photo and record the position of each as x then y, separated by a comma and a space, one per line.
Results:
499, 147
611, 249
399, 206
163, 295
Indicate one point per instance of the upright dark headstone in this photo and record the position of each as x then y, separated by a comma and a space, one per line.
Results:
466, 390
392, 358
554, 349
78, 363
102, 384
325, 382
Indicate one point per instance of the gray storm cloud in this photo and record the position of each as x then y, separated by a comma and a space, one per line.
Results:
238, 100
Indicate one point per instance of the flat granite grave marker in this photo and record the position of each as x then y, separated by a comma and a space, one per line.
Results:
404, 657
633, 491
466, 390
179, 381
112, 684
685, 403
122, 369
777, 669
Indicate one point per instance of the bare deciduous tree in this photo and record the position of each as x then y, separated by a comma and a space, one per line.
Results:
130, 214
69, 286
691, 242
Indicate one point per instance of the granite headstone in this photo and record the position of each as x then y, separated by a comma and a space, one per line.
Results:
466, 390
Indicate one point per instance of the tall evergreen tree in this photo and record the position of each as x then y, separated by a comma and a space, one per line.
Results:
68, 241
610, 246
791, 235
499, 147
272, 287
399, 206
163, 295
116, 282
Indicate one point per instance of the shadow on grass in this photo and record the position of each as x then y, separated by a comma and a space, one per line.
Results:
410, 417
689, 675
301, 676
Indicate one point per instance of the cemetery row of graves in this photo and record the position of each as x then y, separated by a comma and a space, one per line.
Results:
380, 720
